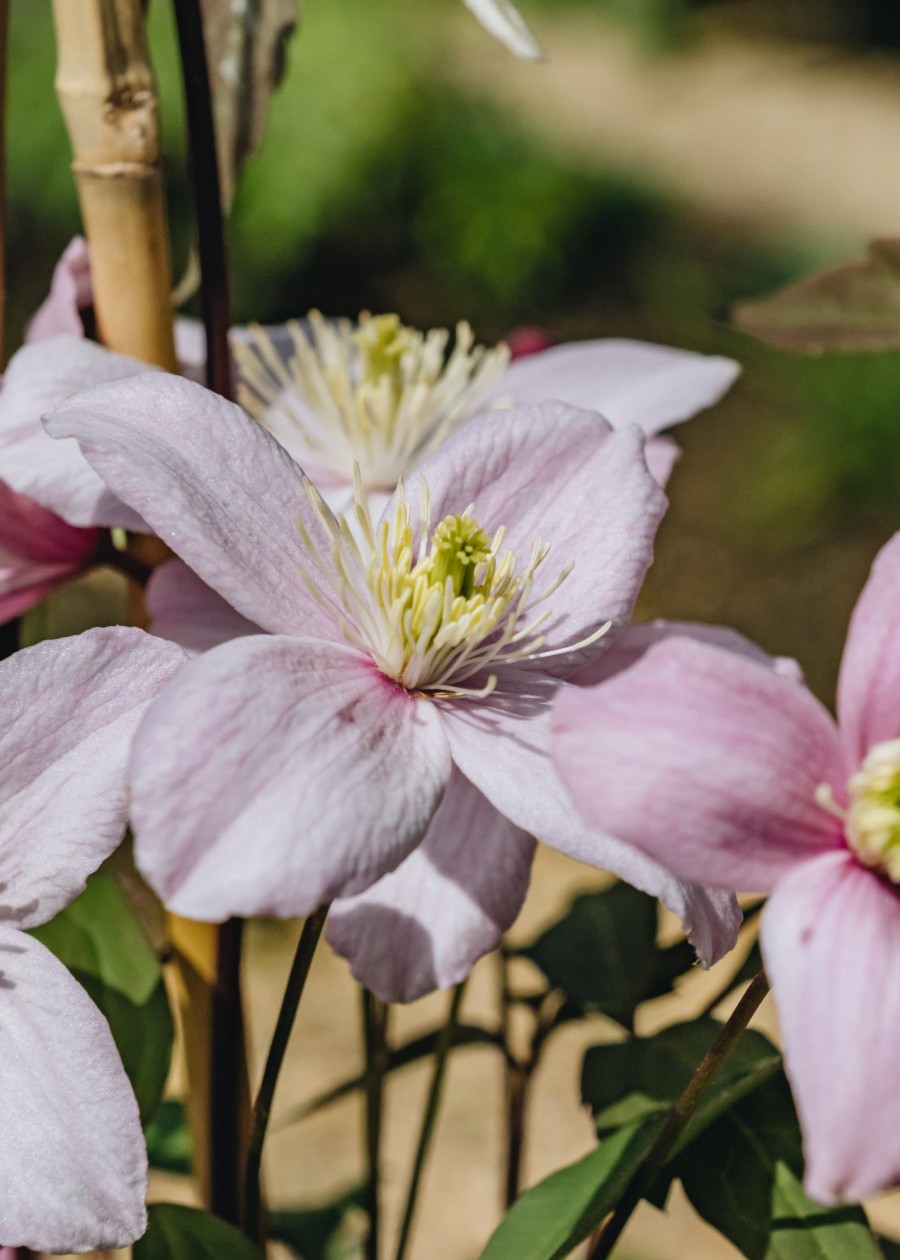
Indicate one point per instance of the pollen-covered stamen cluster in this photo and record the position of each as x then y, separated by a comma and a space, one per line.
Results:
873, 817
435, 614
376, 393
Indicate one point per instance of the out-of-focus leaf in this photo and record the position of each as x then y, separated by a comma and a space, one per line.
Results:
627, 1081
183, 1233
604, 956
853, 307
169, 1143
552, 1218
245, 49
419, 1048
333, 1231
742, 1176
505, 22
99, 940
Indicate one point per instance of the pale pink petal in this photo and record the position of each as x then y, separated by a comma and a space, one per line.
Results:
533, 470
56, 474
830, 940
70, 293
186, 611
277, 773
73, 1165
425, 925
501, 745
662, 454
38, 551
628, 382
706, 759
213, 484
69, 710
869, 685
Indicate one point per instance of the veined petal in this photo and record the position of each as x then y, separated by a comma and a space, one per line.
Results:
707, 760
502, 746
55, 474
869, 684
426, 924
662, 454
70, 707
505, 22
73, 1165
212, 484
532, 470
278, 773
830, 937
183, 609
38, 551
628, 382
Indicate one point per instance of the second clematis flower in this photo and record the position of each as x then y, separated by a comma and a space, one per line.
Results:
734, 774
386, 742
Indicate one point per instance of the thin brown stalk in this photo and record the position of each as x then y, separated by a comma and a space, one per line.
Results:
4, 55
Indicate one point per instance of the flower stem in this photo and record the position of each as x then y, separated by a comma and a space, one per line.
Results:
206, 187
4, 53
228, 1075
441, 1056
684, 1108
375, 1026
306, 948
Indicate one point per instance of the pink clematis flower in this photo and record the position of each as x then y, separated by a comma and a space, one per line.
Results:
731, 774
73, 1165
386, 742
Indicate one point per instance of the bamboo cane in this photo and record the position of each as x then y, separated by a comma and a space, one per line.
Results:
107, 93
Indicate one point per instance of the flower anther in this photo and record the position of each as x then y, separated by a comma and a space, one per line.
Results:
437, 613
377, 392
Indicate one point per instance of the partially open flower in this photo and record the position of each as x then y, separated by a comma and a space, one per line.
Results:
734, 774
391, 728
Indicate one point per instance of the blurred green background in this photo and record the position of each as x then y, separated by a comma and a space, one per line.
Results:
399, 174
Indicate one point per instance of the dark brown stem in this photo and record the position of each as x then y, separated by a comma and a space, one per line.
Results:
678, 1117
375, 1026
4, 52
228, 1075
206, 186
125, 561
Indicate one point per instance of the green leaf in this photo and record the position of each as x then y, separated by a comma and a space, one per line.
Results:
630, 1080
742, 1176
183, 1233
332, 1231
603, 954
853, 307
169, 1143
552, 1218
99, 940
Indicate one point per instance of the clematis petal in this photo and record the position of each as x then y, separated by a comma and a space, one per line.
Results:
830, 935
278, 773
505, 22
628, 382
73, 1165
426, 924
186, 611
38, 551
70, 293
532, 470
869, 684
706, 759
212, 484
70, 707
502, 746
55, 474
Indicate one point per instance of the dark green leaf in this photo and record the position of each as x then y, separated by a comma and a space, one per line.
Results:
99, 940
742, 1175
629, 1080
334, 1231
169, 1144
603, 954
183, 1233
548, 1221
419, 1048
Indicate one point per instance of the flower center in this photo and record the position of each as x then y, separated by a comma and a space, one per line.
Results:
873, 819
377, 393
436, 615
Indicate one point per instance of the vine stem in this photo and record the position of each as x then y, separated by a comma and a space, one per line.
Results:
375, 1027
4, 57
207, 194
678, 1117
296, 983
429, 1118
